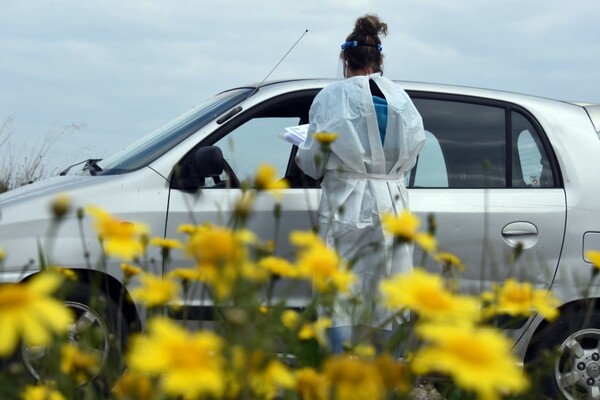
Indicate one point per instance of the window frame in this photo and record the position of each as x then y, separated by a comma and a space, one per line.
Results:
245, 115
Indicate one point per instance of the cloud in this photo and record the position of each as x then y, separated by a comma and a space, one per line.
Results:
125, 67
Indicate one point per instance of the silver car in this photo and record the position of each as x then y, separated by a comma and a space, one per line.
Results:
501, 172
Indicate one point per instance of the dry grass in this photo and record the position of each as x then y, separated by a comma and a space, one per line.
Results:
27, 164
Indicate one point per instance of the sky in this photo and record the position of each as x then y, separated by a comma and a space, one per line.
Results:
81, 79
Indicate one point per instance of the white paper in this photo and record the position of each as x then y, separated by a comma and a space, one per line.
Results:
295, 134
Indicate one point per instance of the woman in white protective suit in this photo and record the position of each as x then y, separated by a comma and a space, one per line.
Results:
380, 135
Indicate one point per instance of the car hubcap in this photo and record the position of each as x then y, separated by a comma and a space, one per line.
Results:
577, 367
88, 332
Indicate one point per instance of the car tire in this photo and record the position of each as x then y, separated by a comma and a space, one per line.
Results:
99, 327
565, 356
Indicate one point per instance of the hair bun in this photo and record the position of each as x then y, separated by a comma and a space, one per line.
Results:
370, 25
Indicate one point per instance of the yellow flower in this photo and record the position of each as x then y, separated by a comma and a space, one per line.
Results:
364, 351
65, 272
166, 243
254, 272
2, 254
221, 255
393, 372
403, 226
185, 274
323, 266
317, 330
290, 319
186, 228
477, 358
311, 385
426, 241
28, 312
325, 138
187, 364
278, 266
305, 239
130, 270
425, 294
449, 260
120, 238
354, 378
134, 385
79, 365
155, 291
594, 257
266, 179
61, 205
41, 392
215, 245
514, 298
275, 375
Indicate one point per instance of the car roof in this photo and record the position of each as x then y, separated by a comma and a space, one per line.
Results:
593, 110
411, 85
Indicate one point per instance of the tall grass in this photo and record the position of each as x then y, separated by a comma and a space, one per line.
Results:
27, 164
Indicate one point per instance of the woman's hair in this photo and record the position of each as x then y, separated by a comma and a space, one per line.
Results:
366, 54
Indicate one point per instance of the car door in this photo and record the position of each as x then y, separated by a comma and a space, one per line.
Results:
488, 177
253, 138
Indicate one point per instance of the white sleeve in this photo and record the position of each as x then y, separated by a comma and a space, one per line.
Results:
310, 157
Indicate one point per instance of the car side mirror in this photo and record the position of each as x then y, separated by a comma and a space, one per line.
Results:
208, 162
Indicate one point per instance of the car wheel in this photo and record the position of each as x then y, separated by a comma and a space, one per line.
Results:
574, 369
99, 327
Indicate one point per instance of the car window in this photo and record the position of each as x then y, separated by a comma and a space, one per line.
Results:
431, 171
531, 167
466, 143
255, 142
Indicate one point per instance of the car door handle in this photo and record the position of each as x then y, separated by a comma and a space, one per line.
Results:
520, 232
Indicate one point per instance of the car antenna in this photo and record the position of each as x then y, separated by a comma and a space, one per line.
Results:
279, 62
238, 108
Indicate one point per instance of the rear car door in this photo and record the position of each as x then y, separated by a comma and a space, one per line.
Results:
489, 178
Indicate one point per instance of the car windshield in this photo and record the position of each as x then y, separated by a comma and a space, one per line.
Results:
152, 146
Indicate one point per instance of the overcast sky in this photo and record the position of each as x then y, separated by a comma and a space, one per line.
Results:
104, 72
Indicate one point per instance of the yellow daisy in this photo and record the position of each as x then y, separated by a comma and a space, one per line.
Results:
403, 226
28, 312
190, 365
514, 298
266, 179
155, 291
354, 378
79, 365
324, 268
278, 266
134, 385
130, 270
164, 243
477, 358
120, 238
311, 385
325, 138
449, 260
60, 205
41, 392
317, 330
426, 294
594, 257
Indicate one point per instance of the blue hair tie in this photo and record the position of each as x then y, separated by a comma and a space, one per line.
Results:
345, 45
355, 43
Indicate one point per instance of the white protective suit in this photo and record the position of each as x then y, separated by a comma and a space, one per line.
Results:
362, 179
